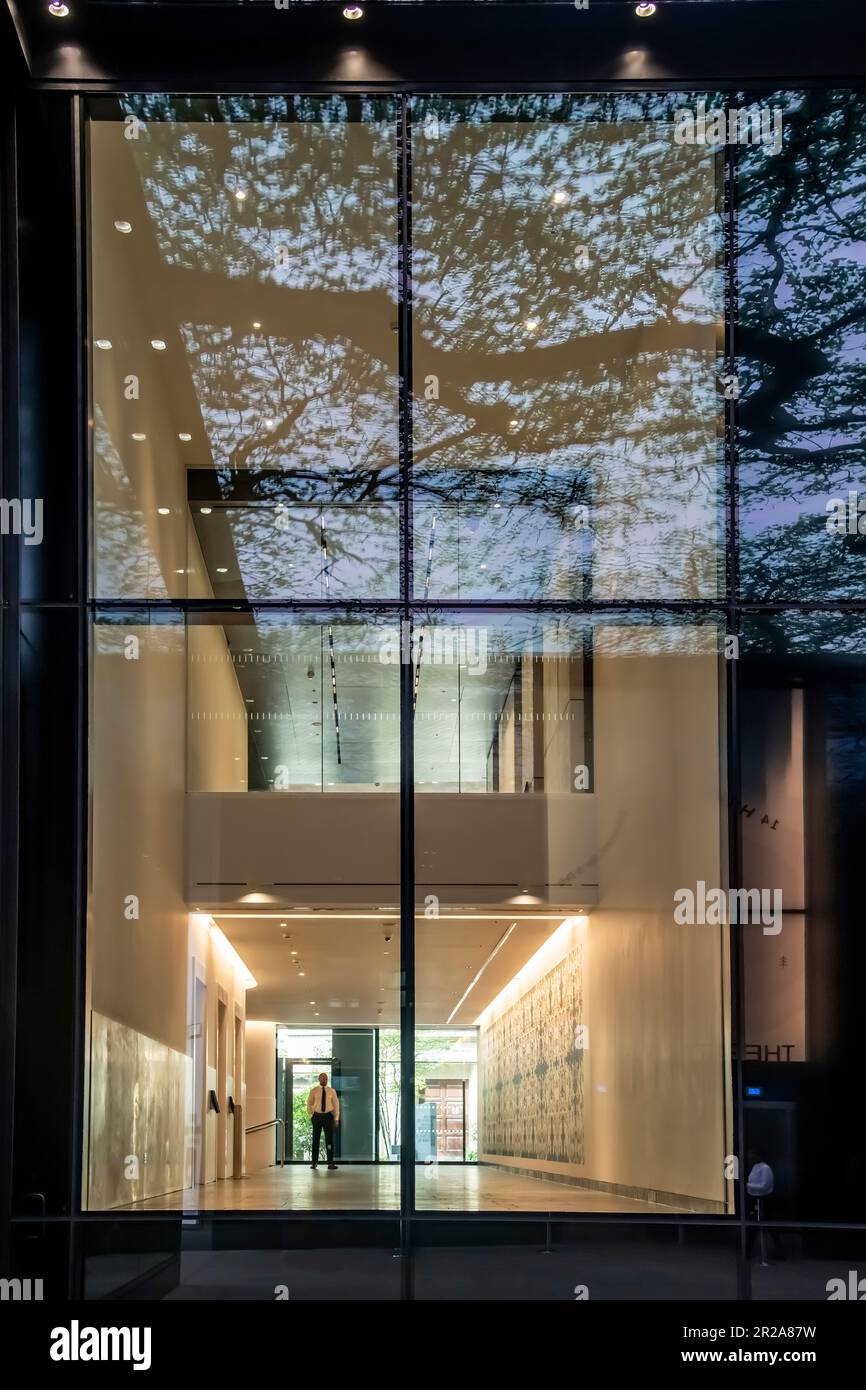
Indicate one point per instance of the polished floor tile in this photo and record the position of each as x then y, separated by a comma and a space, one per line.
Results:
439, 1187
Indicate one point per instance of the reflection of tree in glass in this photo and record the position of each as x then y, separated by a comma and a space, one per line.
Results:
802, 256
125, 560
561, 379
303, 407
565, 302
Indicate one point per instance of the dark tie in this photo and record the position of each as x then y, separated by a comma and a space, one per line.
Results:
324, 1102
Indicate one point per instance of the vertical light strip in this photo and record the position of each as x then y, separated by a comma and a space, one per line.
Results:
495, 952
538, 965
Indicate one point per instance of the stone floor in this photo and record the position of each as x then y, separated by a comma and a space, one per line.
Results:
374, 1187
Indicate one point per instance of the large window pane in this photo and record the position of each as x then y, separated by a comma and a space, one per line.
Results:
244, 353
803, 776
244, 904
567, 272
802, 233
578, 793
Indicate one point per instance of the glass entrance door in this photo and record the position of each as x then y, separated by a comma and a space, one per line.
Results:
449, 1098
351, 1070
302, 1077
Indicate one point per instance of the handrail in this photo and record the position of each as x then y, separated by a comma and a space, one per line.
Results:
266, 1124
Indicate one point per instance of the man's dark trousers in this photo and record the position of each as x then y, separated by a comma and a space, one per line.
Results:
323, 1122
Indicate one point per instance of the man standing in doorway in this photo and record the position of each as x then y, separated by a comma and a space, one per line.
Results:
323, 1108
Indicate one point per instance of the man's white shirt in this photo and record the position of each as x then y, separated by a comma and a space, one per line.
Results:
332, 1102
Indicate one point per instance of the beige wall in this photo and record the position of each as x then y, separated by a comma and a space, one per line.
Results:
141, 968
265, 840
217, 715
213, 965
137, 774
654, 1108
564, 704
261, 1046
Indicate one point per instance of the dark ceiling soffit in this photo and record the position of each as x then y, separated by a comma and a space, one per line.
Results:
205, 47
14, 44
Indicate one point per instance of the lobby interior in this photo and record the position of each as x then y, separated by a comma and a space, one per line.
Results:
562, 1016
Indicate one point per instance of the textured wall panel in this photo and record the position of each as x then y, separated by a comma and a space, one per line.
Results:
138, 1095
531, 1072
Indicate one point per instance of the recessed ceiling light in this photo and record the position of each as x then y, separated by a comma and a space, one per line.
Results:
221, 569
124, 227
206, 511
353, 12
185, 437
58, 9
139, 437
104, 344
302, 973
164, 511
644, 11
157, 344
256, 323
312, 1001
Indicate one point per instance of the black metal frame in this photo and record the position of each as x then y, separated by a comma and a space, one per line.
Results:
479, 47
57, 615
9, 690
333, 1064
410, 609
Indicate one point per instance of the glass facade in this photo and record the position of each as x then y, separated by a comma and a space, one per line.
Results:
453, 690
292, 523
